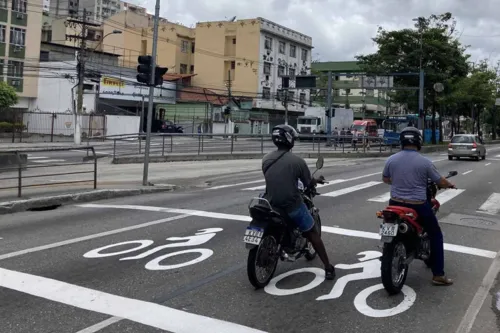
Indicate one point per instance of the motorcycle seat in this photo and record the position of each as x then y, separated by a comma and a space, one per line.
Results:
400, 210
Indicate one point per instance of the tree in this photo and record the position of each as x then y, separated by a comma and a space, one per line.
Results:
431, 43
8, 96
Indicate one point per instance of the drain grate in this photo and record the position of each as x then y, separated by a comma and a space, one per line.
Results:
472, 221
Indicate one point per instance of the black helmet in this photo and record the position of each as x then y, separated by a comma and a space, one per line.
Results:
284, 136
411, 136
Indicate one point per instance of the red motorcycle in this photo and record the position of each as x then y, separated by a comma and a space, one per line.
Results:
404, 240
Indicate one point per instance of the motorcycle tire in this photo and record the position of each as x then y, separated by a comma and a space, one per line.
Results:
386, 269
317, 226
252, 267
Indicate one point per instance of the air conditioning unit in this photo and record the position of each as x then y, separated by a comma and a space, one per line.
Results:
20, 16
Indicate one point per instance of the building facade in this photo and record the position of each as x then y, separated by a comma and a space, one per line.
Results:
20, 26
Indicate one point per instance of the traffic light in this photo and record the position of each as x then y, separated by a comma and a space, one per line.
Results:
144, 70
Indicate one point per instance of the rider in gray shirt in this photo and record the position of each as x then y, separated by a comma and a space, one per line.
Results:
282, 170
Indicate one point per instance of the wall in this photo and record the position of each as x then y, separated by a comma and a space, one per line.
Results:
117, 125
219, 128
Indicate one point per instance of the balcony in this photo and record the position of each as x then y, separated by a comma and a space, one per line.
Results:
17, 51
16, 83
4, 14
18, 18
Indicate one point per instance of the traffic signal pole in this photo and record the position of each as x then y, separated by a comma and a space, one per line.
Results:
151, 95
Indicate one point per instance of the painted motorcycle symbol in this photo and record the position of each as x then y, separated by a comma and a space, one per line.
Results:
370, 265
201, 237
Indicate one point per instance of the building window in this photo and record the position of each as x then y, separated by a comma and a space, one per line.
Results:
267, 68
19, 6
184, 69
192, 47
369, 92
15, 69
2, 33
293, 51
302, 98
282, 48
234, 41
266, 93
17, 36
291, 96
184, 46
3, 3
268, 44
191, 69
291, 73
233, 65
304, 55
279, 94
281, 70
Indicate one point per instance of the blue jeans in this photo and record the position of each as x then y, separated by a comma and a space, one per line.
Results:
302, 218
430, 223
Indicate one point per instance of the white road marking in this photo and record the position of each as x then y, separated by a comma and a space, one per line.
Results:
350, 189
491, 205
48, 161
381, 198
238, 184
466, 172
89, 151
487, 164
445, 196
147, 313
244, 218
36, 157
497, 156
84, 238
99, 326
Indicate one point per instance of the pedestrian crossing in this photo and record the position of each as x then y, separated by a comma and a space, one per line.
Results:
44, 160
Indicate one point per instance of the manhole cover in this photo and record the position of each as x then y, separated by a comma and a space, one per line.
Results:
472, 221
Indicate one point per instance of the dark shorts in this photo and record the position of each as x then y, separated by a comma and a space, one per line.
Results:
302, 218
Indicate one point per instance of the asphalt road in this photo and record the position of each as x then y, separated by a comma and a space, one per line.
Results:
55, 276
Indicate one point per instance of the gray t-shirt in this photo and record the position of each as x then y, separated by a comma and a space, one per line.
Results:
281, 179
409, 172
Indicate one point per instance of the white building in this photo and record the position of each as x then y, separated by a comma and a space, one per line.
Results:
282, 52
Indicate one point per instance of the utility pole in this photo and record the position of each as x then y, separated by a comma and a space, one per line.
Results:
80, 67
329, 104
227, 111
285, 84
151, 94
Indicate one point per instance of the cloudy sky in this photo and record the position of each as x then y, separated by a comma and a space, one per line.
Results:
341, 29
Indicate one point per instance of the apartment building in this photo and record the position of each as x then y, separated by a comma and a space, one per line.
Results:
63, 8
103, 9
20, 26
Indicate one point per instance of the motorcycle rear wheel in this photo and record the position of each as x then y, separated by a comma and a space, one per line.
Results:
267, 247
311, 254
393, 270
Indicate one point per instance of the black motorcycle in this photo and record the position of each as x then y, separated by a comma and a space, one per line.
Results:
270, 236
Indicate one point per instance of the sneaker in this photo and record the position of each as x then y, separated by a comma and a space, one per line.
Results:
330, 273
442, 281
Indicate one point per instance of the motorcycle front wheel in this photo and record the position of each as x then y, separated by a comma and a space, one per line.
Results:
393, 268
262, 261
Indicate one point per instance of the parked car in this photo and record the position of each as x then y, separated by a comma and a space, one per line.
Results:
466, 145
170, 127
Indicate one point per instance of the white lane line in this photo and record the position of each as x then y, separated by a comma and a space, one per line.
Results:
244, 218
238, 184
466, 172
36, 157
487, 164
99, 326
85, 151
333, 182
445, 196
48, 161
491, 205
497, 156
350, 189
89, 237
147, 313
381, 198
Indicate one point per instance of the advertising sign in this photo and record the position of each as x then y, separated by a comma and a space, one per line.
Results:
122, 89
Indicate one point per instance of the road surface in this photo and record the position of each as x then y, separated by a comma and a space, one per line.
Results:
175, 262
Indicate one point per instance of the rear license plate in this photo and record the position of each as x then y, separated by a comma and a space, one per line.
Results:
253, 235
388, 229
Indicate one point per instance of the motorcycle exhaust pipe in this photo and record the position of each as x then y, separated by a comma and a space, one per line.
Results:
403, 228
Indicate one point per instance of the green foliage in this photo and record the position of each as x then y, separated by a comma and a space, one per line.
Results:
8, 95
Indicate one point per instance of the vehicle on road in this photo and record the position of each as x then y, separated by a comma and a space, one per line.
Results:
314, 121
404, 240
466, 145
170, 127
393, 125
270, 237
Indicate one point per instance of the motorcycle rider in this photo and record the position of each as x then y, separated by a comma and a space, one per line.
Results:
407, 172
282, 170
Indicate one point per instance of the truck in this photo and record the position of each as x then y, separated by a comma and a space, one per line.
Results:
314, 120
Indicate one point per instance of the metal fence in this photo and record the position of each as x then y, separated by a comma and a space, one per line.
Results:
203, 144
18, 173
16, 126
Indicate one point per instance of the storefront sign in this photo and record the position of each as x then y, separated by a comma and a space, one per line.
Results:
122, 89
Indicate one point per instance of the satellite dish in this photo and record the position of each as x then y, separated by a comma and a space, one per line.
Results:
232, 19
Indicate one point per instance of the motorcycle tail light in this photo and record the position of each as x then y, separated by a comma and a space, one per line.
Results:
390, 216
380, 214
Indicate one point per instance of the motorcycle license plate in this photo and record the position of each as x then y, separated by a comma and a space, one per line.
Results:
253, 235
388, 229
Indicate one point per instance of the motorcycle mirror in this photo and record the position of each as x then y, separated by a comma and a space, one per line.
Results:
452, 173
320, 162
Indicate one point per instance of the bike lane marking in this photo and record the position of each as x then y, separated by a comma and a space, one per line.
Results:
143, 312
245, 218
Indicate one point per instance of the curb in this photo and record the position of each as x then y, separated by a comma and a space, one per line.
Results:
215, 157
17, 206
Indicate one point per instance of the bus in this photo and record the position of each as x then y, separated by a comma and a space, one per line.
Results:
393, 125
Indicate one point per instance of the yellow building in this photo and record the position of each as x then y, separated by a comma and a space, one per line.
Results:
20, 26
